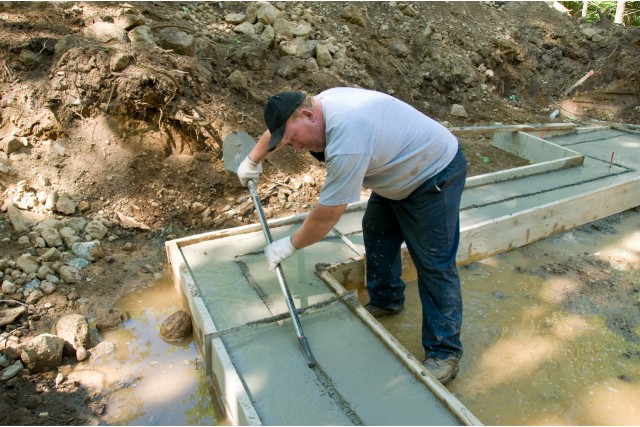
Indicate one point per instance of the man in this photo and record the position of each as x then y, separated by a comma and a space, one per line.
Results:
416, 172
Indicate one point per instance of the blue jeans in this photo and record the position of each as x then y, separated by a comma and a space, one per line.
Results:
428, 220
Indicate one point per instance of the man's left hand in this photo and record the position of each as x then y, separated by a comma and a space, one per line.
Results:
278, 251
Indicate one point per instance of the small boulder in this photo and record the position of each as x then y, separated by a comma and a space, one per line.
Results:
28, 263
282, 28
8, 288
78, 263
33, 402
43, 353
47, 287
77, 224
12, 371
104, 32
176, 327
143, 36
266, 13
107, 319
181, 43
458, 110
96, 230
70, 275
65, 205
82, 354
74, 329
323, 55
10, 144
52, 199
120, 60
91, 251
19, 223
352, 13
52, 255
235, 18
28, 58
105, 347
65, 43
52, 237
128, 22
238, 78
48, 223
399, 49
34, 297
45, 271
244, 28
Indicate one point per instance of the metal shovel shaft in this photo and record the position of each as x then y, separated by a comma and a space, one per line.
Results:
283, 282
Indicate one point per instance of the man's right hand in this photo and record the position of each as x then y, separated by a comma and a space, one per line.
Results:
248, 170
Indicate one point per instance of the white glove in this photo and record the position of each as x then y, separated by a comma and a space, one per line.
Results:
248, 170
278, 251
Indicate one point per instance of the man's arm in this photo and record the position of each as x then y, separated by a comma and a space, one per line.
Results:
260, 151
317, 225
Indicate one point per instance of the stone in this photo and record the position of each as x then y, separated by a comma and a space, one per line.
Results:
4, 264
238, 78
267, 35
52, 237
65, 43
24, 240
181, 43
47, 287
52, 199
96, 230
12, 371
65, 205
48, 223
20, 415
399, 49
282, 28
19, 223
28, 263
128, 22
34, 297
83, 206
288, 49
244, 28
312, 65
9, 315
43, 353
78, 263
323, 55
143, 36
77, 224
52, 255
266, 13
251, 15
53, 279
45, 271
70, 275
73, 295
82, 354
11, 144
8, 288
458, 110
353, 14
589, 32
28, 58
33, 402
107, 319
14, 382
176, 327
74, 329
4, 168
128, 222
235, 18
302, 30
309, 180
91, 251
104, 32
306, 49
120, 60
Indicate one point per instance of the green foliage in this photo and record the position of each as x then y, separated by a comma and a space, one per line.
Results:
608, 9
486, 159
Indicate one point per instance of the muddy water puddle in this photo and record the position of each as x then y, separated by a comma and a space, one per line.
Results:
148, 381
550, 331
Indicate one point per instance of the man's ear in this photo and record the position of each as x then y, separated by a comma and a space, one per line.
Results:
308, 114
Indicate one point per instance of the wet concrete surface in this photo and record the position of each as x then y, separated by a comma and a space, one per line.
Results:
149, 381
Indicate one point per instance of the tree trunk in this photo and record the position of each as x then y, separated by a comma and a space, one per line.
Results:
620, 11
585, 7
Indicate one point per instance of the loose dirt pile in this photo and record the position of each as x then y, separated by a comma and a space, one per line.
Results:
115, 113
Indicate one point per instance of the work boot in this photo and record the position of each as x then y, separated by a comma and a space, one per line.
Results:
378, 312
444, 370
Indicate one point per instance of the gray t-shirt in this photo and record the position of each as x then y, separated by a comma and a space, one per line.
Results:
379, 142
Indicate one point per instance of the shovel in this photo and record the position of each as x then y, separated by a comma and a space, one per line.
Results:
236, 146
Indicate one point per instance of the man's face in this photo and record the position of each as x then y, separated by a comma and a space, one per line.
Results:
305, 134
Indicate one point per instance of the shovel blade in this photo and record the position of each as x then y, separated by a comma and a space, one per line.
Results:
236, 146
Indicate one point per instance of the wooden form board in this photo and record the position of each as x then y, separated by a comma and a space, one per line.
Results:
234, 399
411, 363
543, 127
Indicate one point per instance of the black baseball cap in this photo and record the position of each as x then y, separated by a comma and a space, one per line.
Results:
276, 113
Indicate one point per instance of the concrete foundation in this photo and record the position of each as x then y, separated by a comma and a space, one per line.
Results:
363, 375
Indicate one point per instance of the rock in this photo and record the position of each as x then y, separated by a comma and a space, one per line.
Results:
251, 15
128, 22
4, 264
19, 223
70, 275
289, 67
120, 60
282, 28
74, 329
51, 201
353, 14
78, 263
43, 353
77, 224
266, 13
49, 223
45, 271
306, 49
309, 180
105, 347
436, 36
52, 237
312, 65
128, 247
83, 206
238, 78
142, 35
458, 111
235, 18
12, 371
302, 30
323, 55
28, 58
24, 240
399, 49
33, 402
181, 43
19, 416
107, 319
176, 327
267, 35
51, 255
244, 28
14, 382
91, 251
66, 43
4, 168
105, 32
47, 288
68, 234
128, 222
53, 279
589, 32
96, 230
65, 205
33, 284
34, 297
11, 144
9, 315
82, 354
8, 288
73, 295
339, 60
288, 49
28, 263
